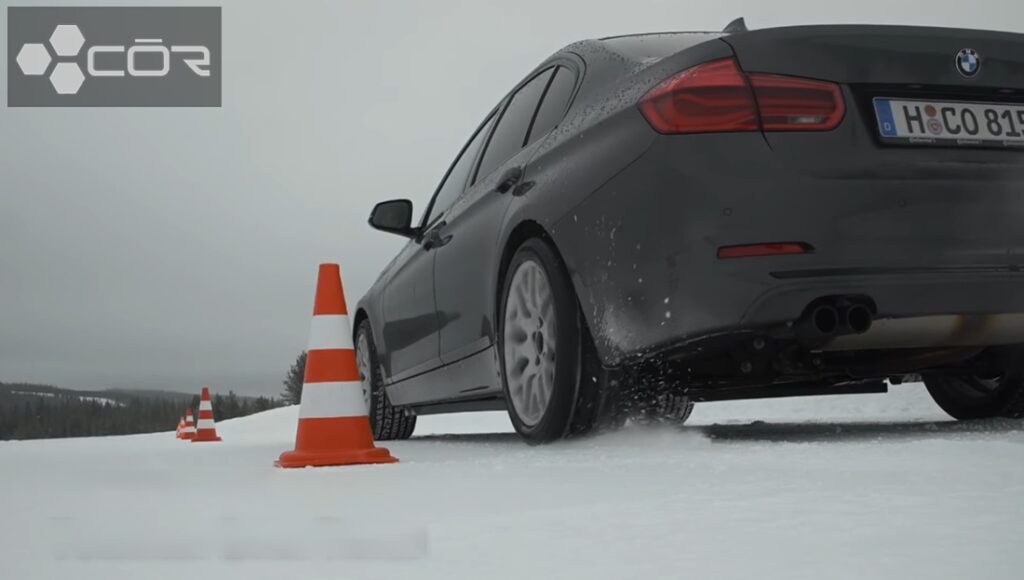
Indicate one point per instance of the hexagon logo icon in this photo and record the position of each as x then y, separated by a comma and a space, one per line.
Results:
113, 56
33, 59
67, 40
66, 78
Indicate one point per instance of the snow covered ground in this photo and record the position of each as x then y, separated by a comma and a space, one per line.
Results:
865, 486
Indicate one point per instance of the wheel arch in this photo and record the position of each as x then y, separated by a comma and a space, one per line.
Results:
525, 230
358, 319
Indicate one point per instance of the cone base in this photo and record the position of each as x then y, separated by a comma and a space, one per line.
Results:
291, 459
206, 439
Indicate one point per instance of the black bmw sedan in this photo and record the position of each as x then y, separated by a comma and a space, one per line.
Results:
653, 220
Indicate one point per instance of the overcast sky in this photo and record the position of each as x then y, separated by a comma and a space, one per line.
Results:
174, 248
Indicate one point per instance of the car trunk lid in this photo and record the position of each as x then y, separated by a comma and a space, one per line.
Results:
897, 55
897, 64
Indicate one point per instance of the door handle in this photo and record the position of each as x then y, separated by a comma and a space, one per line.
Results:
509, 179
434, 239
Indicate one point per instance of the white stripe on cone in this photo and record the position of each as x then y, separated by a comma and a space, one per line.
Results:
205, 406
329, 331
189, 430
205, 424
336, 399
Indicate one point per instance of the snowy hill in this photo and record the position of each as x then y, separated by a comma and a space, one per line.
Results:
867, 486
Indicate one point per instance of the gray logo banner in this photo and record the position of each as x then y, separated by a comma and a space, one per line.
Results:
113, 56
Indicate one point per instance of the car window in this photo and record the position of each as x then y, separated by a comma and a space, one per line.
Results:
455, 182
510, 134
553, 104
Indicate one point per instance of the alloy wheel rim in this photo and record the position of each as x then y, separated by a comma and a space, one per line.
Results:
363, 364
530, 342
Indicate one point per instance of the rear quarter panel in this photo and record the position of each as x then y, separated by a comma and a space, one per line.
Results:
601, 137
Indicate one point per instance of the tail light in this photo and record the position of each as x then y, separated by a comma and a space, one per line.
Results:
795, 104
712, 97
718, 97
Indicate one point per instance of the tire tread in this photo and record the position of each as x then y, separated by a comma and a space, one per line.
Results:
389, 423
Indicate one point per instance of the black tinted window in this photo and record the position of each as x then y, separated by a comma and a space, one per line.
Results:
554, 103
510, 134
455, 182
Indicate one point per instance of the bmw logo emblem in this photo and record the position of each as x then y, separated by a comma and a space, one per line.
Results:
968, 62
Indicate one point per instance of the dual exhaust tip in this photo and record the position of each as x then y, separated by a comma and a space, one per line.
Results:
828, 319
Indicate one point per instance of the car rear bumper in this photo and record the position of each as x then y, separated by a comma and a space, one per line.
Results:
919, 235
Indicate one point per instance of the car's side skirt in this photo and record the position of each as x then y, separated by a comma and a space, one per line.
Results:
473, 377
473, 405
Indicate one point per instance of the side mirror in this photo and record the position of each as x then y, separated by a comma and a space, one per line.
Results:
393, 216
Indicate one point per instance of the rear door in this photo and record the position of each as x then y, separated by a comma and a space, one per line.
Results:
411, 318
464, 272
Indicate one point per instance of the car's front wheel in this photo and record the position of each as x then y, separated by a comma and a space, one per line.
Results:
387, 421
967, 397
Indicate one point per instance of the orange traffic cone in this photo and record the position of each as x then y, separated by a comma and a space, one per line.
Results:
205, 428
333, 426
181, 427
190, 428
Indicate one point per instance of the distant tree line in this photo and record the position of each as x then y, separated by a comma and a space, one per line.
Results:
231, 405
41, 411
292, 394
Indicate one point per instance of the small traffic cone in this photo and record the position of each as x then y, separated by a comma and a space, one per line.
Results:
190, 429
205, 429
181, 427
333, 426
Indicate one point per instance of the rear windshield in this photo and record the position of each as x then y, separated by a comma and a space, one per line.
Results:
651, 47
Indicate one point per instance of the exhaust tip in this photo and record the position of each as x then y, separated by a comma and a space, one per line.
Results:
858, 318
825, 319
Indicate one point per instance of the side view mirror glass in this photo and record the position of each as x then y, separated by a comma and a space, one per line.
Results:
393, 216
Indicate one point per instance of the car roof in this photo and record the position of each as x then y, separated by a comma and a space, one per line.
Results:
630, 52
613, 57
653, 46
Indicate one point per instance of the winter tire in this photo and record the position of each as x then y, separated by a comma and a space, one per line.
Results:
387, 421
539, 343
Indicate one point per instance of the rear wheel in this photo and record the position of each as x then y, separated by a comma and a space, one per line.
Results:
552, 377
972, 397
539, 344
388, 421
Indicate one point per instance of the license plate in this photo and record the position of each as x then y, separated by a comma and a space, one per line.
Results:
950, 123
